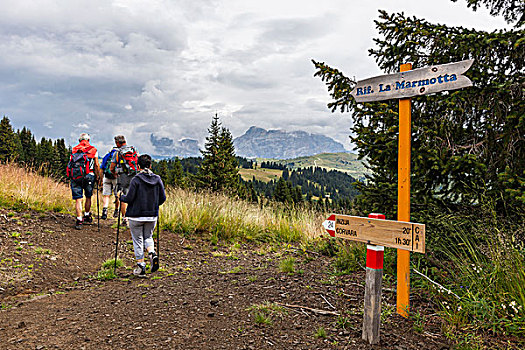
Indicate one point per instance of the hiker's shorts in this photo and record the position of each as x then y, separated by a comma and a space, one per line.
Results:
123, 182
86, 186
109, 187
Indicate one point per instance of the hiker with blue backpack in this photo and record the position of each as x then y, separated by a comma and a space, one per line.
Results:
83, 170
124, 167
109, 185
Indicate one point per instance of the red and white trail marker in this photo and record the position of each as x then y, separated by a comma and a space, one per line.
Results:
329, 225
373, 285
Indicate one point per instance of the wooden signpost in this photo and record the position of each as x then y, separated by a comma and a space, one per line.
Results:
389, 233
410, 83
400, 234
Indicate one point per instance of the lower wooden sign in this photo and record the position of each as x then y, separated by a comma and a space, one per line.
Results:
389, 233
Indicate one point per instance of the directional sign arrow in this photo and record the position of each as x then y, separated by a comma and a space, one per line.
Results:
329, 225
415, 82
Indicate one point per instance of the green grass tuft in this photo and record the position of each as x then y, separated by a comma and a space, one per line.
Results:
321, 333
287, 265
110, 264
105, 275
264, 313
262, 318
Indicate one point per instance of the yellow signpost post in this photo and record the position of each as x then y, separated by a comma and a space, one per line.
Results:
403, 198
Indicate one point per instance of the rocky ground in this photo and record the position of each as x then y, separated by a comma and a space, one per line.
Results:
230, 296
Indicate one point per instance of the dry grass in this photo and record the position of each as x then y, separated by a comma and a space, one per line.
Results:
22, 189
228, 218
215, 215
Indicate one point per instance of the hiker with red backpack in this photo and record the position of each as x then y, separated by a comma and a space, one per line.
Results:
83, 170
124, 167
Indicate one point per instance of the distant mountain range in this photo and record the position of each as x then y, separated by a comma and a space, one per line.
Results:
167, 148
256, 143
279, 144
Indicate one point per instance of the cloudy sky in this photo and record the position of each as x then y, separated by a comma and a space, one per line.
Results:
167, 66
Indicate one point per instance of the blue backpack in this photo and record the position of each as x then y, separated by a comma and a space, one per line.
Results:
106, 161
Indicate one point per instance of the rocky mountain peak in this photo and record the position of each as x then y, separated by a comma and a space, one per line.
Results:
280, 144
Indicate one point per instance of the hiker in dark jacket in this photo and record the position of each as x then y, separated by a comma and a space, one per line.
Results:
145, 195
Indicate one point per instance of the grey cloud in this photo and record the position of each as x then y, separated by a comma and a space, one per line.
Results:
315, 104
243, 80
294, 31
49, 18
277, 36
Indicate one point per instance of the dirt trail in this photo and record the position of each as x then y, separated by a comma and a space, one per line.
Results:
204, 297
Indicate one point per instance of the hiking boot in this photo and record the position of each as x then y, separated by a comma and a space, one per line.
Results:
154, 261
115, 213
78, 224
140, 270
104, 213
124, 222
88, 219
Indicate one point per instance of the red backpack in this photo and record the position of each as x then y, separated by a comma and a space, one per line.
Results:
127, 159
78, 166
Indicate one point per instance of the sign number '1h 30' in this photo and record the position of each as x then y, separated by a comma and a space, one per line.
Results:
395, 234
415, 82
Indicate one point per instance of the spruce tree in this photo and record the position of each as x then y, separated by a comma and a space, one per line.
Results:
18, 146
7, 141
468, 144
206, 175
512, 10
28, 143
219, 168
228, 161
282, 192
161, 169
297, 195
60, 159
44, 156
176, 173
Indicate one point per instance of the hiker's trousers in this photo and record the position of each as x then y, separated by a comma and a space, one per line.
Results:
142, 235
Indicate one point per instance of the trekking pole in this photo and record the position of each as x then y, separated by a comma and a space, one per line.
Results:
116, 244
158, 235
98, 211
